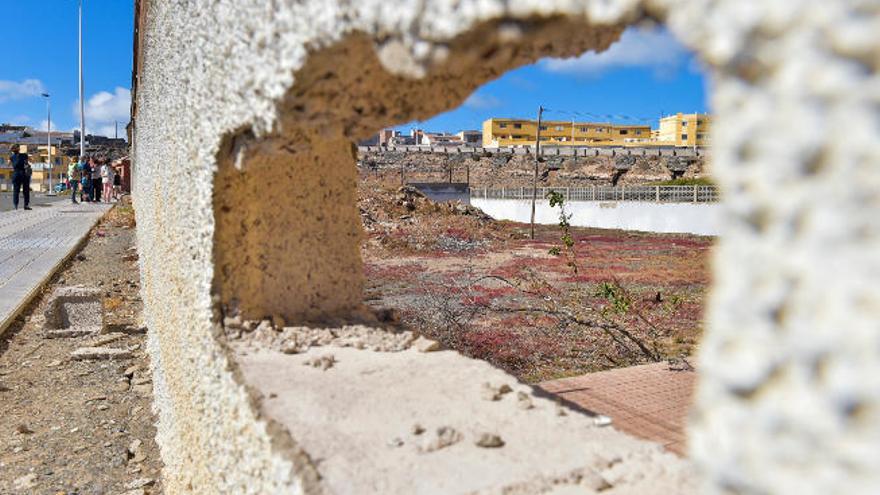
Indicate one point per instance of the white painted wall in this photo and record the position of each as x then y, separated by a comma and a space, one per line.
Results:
686, 218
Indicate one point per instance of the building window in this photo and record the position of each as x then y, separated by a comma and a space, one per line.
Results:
684, 123
517, 126
585, 129
503, 126
684, 136
600, 129
699, 136
624, 132
559, 128
638, 133
543, 127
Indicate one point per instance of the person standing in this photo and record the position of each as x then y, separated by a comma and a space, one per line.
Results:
117, 184
97, 179
20, 176
85, 171
73, 178
107, 180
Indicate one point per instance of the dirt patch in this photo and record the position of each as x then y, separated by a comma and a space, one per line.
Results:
82, 426
633, 298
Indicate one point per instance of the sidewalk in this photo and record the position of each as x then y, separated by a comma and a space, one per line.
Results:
34, 244
649, 401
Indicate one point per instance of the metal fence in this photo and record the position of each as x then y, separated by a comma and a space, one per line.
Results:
662, 194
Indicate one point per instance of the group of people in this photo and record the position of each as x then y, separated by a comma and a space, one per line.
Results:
95, 179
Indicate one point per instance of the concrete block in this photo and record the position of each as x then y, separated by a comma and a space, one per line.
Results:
99, 353
74, 310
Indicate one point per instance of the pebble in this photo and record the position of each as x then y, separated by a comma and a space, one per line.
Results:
489, 441
426, 345
139, 483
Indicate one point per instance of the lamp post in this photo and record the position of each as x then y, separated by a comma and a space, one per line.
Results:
82, 114
49, 140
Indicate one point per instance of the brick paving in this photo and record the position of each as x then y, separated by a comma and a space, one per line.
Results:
649, 401
33, 244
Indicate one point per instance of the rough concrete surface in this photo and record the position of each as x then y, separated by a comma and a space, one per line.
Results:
75, 309
402, 422
260, 124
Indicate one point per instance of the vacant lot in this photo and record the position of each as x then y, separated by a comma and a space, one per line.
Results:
537, 308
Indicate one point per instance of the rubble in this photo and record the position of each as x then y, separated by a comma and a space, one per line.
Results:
84, 353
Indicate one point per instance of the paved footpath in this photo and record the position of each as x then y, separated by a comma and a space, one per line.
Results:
649, 401
34, 244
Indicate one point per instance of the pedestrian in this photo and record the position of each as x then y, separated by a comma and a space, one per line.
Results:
73, 178
107, 180
21, 177
117, 185
85, 171
97, 179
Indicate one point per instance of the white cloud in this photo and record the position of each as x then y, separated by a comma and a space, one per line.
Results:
103, 109
13, 90
482, 102
44, 123
638, 47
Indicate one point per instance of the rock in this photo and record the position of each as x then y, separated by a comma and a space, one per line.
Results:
145, 389
130, 371
85, 353
136, 491
232, 322
417, 429
53, 364
143, 380
24, 429
444, 437
289, 346
278, 321
488, 392
139, 483
69, 333
134, 446
426, 345
133, 329
489, 441
25, 482
324, 362
110, 337
523, 401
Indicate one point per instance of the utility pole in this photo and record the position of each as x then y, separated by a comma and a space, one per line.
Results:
82, 105
49, 141
535, 177
116, 128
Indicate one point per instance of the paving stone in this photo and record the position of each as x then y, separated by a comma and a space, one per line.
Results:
33, 245
84, 353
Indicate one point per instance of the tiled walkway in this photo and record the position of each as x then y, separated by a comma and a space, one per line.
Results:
33, 244
649, 401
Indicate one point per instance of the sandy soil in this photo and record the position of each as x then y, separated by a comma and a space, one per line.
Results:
81, 427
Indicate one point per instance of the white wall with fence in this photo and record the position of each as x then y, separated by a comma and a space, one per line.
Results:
660, 194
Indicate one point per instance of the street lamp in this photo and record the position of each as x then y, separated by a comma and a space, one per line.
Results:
49, 140
82, 113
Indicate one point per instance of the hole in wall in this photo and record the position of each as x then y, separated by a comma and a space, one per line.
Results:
308, 223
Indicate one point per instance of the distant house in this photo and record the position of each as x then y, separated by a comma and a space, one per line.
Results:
471, 138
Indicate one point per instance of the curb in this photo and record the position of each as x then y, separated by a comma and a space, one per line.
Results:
29, 297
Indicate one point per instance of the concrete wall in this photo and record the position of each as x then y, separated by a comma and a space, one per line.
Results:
255, 105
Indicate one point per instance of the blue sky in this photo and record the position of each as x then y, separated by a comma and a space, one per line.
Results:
644, 74
42, 56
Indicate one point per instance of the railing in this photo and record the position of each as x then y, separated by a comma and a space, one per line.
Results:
661, 194
546, 151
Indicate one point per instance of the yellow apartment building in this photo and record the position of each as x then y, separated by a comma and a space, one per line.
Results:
518, 132
691, 129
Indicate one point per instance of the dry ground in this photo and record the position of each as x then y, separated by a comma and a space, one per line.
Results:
484, 288
81, 427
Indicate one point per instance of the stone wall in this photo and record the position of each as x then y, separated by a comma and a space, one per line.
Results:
252, 107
